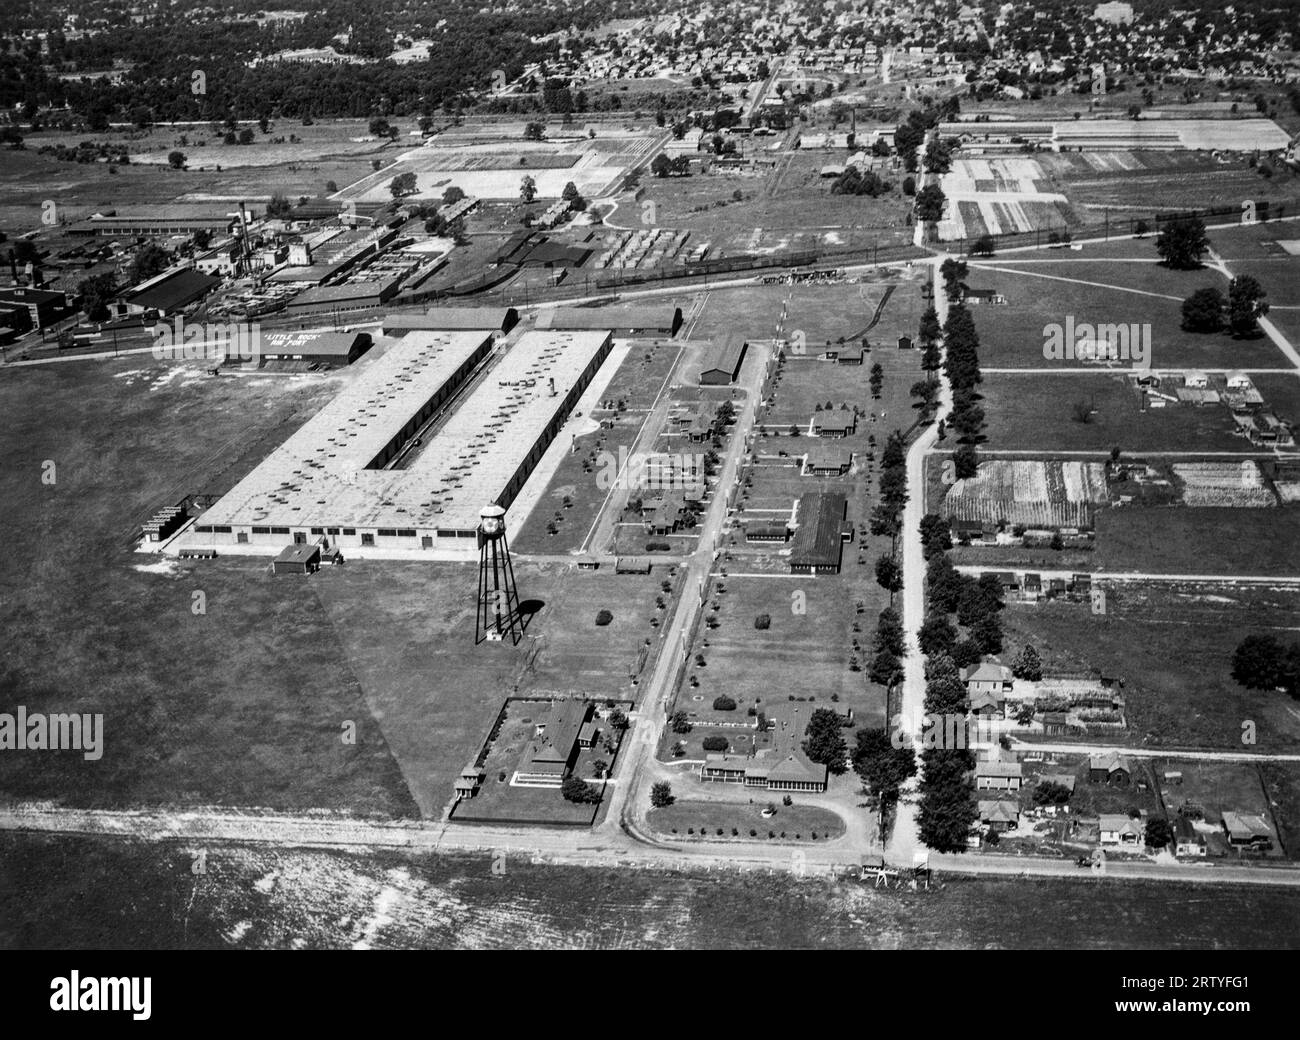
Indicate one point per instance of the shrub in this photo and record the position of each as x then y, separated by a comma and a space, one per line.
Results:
604, 618
763, 621
716, 743
723, 703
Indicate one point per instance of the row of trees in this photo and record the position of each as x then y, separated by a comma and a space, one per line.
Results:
962, 366
947, 810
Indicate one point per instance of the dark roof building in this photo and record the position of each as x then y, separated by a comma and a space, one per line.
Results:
722, 361
297, 559
335, 349
818, 544
623, 321
551, 753
23, 308
170, 292
453, 319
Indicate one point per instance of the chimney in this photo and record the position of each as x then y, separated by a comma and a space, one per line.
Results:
552, 381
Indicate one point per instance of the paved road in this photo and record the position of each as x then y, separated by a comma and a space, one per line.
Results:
1202, 579
630, 800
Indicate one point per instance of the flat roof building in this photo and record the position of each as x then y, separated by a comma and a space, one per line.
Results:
330, 478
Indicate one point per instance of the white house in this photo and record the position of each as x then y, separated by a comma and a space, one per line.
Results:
1119, 829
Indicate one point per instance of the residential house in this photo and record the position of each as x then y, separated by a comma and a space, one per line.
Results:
999, 815
1110, 768
989, 676
1247, 830
470, 780
1188, 841
998, 776
1119, 829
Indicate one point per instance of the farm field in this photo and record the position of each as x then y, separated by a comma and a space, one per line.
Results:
1027, 492
143, 896
1035, 413
237, 702
1173, 647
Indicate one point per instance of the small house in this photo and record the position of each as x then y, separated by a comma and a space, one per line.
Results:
1110, 768
1117, 829
1195, 380
989, 676
1247, 831
999, 815
1188, 841
998, 776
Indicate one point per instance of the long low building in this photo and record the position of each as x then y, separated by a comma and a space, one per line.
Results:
818, 546
329, 480
622, 321
448, 319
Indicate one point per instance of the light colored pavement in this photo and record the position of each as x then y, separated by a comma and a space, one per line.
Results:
904, 840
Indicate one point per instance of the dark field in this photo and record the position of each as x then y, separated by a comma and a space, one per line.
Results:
144, 896
241, 702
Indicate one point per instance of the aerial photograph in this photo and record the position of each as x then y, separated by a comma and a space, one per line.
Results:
778, 475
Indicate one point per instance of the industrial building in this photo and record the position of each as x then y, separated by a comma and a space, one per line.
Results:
158, 222
329, 480
332, 349
722, 361
169, 292
622, 321
23, 308
448, 319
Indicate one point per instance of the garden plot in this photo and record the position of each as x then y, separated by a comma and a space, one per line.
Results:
990, 195
1223, 484
1044, 493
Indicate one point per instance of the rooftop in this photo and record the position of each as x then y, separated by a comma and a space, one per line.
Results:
320, 475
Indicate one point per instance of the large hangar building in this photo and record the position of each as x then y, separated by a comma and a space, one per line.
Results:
353, 476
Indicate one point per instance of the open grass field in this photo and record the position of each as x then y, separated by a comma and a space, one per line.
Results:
1034, 412
408, 633
240, 704
718, 820
1041, 292
1203, 539
144, 896
1173, 648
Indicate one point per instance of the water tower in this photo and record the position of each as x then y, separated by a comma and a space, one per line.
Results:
498, 599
